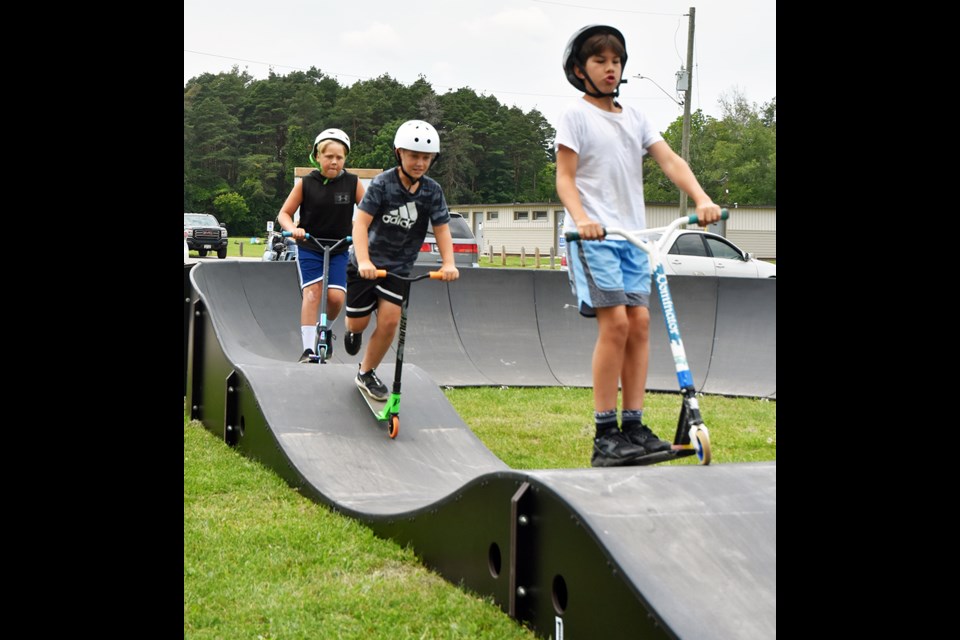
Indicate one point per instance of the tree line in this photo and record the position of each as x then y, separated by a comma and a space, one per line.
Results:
242, 138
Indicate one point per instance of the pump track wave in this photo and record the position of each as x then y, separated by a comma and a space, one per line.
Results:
632, 552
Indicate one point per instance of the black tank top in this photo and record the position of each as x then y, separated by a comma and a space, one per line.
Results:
327, 209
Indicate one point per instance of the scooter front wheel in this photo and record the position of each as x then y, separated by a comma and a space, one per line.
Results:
393, 426
701, 443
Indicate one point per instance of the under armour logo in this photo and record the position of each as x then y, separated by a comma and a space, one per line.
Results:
341, 198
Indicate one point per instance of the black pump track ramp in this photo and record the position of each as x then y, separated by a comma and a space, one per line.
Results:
634, 552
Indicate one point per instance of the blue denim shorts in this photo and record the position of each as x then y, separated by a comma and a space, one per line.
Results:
608, 273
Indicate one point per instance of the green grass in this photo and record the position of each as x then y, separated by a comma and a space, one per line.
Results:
262, 561
552, 427
233, 249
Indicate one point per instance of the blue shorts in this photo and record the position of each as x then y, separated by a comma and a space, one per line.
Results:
608, 273
310, 264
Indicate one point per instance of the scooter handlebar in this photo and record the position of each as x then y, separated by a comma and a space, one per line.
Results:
433, 275
319, 241
573, 236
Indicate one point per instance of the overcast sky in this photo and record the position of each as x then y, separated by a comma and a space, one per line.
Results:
511, 49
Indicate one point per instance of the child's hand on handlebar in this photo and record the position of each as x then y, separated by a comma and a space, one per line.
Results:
590, 230
298, 233
708, 213
366, 269
449, 273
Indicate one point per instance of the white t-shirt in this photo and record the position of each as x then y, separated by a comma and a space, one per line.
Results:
610, 147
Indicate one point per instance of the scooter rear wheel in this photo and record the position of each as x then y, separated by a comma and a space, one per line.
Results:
393, 426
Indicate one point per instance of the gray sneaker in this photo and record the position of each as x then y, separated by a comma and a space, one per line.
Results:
612, 449
642, 436
370, 384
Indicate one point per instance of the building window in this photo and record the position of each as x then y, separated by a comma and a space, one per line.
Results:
493, 215
539, 215
519, 216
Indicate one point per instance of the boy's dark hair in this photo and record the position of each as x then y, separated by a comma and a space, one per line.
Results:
597, 43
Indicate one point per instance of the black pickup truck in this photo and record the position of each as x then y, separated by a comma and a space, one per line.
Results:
204, 234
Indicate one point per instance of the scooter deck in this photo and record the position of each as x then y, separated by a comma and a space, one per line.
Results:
376, 406
663, 456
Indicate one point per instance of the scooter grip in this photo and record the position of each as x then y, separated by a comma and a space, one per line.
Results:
436, 275
381, 273
574, 236
287, 234
694, 219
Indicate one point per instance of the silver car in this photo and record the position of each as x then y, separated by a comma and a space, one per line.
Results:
464, 245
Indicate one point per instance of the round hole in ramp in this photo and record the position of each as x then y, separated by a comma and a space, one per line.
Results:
559, 594
493, 560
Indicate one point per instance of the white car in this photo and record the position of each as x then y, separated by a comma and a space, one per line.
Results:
699, 253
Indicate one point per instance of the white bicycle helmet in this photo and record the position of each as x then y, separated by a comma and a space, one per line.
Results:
332, 134
571, 56
417, 135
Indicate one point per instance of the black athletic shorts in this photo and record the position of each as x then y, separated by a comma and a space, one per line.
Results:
362, 294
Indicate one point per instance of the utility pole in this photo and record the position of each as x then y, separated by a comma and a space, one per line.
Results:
685, 144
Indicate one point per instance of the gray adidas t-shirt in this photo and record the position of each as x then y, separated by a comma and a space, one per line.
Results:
400, 219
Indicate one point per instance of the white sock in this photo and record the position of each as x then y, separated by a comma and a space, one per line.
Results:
309, 335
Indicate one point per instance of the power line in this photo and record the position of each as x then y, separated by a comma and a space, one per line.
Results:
578, 6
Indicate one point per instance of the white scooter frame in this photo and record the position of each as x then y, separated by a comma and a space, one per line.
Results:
692, 435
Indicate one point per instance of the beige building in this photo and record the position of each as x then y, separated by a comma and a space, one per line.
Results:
531, 225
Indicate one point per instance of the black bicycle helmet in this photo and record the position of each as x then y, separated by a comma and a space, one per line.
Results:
571, 57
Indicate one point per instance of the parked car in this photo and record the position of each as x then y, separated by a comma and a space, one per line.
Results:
204, 234
464, 245
700, 253
186, 249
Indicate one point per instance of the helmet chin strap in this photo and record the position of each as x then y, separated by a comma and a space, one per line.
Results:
596, 93
413, 181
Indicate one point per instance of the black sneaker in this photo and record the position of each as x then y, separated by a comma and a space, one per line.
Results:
643, 437
351, 342
370, 384
612, 449
305, 358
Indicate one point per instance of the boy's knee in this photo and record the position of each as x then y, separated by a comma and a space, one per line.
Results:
311, 295
615, 330
388, 323
356, 325
639, 319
